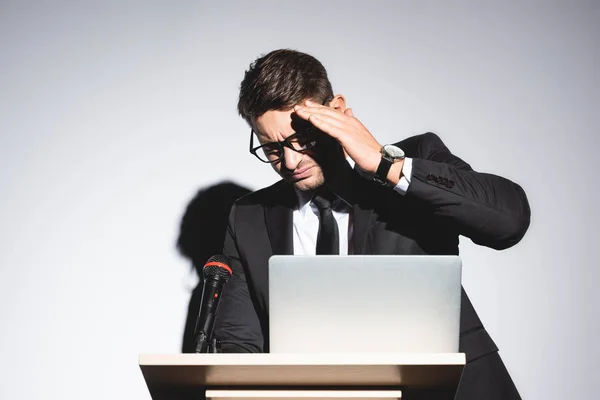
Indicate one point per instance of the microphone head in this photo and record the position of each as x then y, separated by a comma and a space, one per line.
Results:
217, 266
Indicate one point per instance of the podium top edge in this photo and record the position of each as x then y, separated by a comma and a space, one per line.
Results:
266, 359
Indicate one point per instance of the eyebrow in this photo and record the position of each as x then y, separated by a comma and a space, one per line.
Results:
307, 125
289, 136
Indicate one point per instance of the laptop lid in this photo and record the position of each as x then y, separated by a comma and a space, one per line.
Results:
364, 303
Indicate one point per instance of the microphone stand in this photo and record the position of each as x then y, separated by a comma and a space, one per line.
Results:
215, 346
206, 345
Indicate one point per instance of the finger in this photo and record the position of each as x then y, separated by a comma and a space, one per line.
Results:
332, 120
327, 125
312, 105
322, 111
302, 114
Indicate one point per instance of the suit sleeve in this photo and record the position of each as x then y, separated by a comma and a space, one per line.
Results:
492, 211
237, 325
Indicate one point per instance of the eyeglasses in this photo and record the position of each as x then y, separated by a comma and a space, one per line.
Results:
272, 152
300, 142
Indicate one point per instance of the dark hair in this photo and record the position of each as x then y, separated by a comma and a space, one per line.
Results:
281, 79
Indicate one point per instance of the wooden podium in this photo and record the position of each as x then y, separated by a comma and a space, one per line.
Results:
301, 376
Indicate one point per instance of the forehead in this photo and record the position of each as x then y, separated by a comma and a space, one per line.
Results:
276, 125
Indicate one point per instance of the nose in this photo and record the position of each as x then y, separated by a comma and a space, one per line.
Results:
291, 158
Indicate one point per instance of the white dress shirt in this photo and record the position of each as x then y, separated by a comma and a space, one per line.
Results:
306, 217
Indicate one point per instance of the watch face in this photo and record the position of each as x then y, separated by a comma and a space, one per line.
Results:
393, 151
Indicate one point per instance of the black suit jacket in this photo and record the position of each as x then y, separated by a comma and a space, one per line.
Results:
445, 199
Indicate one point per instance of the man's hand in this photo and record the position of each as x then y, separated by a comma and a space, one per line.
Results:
354, 137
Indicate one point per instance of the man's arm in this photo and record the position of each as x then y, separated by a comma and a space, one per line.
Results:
237, 325
489, 209
492, 211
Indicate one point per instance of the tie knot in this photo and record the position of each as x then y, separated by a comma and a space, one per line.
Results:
323, 202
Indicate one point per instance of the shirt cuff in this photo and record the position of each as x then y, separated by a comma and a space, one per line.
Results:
402, 186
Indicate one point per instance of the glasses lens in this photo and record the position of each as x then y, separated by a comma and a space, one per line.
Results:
270, 152
302, 141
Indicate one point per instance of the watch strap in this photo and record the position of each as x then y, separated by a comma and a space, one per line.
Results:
382, 170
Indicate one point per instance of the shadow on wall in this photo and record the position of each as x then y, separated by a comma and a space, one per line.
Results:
201, 236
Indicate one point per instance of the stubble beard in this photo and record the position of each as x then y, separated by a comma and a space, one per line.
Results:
315, 181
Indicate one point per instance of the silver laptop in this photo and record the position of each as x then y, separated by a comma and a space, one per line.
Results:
356, 304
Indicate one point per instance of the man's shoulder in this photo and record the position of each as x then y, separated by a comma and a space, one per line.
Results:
412, 145
270, 195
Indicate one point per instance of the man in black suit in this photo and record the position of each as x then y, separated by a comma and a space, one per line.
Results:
414, 197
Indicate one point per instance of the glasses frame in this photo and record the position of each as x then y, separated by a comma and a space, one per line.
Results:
282, 144
285, 143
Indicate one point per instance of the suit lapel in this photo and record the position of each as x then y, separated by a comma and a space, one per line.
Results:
360, 194
361, 220
278, 218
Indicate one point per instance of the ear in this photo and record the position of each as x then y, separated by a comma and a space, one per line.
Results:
338, 103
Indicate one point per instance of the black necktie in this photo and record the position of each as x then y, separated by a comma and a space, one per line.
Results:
328, 241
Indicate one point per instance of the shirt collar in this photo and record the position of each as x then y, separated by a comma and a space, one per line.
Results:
305, 197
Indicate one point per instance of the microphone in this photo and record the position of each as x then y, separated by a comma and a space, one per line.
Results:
216, 273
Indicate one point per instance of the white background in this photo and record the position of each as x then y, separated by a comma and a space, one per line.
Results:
113, 115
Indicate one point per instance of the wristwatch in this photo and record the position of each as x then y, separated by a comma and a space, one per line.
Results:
389, 155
